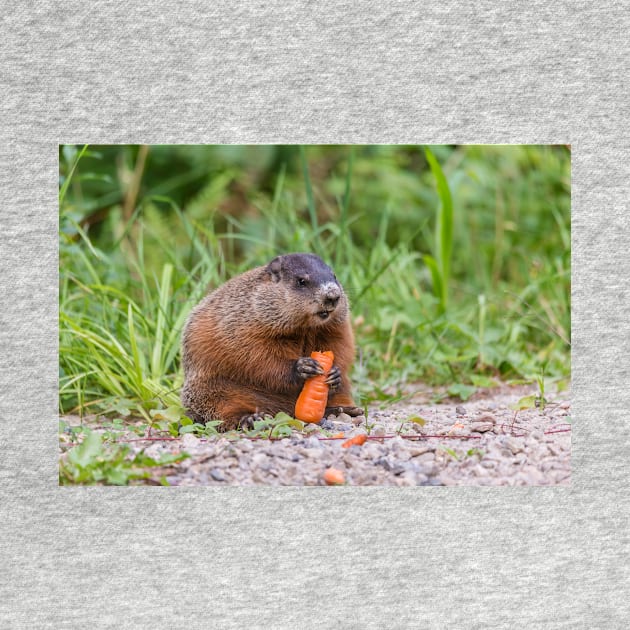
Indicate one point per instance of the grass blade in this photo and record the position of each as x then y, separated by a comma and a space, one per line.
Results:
443, 226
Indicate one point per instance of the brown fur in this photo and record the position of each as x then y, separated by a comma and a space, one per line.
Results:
242, 341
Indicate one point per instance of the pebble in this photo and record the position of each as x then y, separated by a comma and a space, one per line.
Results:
189, 441
426, 458
554, 449
419, 449
481, 427
461, 411
217, 474
514, 444
486, 417
398, 468
371, 450
258, 459
313, 453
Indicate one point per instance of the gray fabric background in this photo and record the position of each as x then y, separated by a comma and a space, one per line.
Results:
363, 72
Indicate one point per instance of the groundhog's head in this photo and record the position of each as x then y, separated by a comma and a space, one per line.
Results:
311, 290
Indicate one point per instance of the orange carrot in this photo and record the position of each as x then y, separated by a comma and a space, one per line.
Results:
311, 402
334, 477
357, 439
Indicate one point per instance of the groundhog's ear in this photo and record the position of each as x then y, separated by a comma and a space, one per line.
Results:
274, 268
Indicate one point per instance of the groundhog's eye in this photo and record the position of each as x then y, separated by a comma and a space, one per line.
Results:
302, 282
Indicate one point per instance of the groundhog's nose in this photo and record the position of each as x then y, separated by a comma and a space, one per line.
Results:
331, 301
331, 297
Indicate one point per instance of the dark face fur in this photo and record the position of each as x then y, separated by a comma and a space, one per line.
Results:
310, 277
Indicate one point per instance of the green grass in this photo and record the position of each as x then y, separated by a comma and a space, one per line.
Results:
456, 259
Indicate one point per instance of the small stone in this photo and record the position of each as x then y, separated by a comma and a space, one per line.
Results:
313, 442
485, 417
533, 475
426, 458
431, 481
378, 430
481, 427
217, 474
457, 429
419, 449
397, 444
460, 410
189, 441
344, 417
370, 450
404, 480
514, 444
519, 458
313, 453
398, 469
258, 459
554, 449
384, 462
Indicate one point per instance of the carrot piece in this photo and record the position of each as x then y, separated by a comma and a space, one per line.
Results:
357, 439
311, 402
334, 477
338, 436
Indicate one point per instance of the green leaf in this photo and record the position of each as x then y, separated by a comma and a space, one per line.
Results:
172, 414
122, 406
160, 328
479, 380
282, 430
436, 277
464, 392
68, 179
189, 428
117, 476
282, 417
309, 189
444, 224
85, 454
417, 420
527, 402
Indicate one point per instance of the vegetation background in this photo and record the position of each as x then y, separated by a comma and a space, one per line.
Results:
456, 259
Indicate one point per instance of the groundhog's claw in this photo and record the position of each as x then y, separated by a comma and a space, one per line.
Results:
351, 411
247, 422
305, 367
334, 379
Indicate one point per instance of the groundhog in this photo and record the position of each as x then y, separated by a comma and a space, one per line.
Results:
246, 346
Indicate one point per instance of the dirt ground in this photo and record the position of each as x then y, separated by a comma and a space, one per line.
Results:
484, 441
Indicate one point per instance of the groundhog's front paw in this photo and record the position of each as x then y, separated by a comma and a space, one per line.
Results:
351, 411
305, 367
334, 379
247, 422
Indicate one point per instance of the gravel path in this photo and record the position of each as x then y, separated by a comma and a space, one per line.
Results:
479, 442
